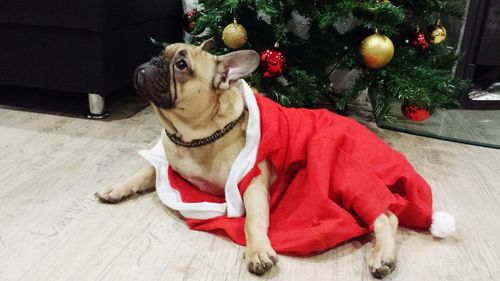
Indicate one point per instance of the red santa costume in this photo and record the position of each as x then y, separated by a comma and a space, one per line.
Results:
334, 178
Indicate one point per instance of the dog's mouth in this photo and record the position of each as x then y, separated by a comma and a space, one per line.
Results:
151, 80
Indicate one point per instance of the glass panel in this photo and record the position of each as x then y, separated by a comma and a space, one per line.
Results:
479, 127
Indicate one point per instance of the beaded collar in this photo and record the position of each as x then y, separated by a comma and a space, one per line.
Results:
210, 139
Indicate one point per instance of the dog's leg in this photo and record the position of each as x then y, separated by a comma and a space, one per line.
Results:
259, 254
143, 180
383, 260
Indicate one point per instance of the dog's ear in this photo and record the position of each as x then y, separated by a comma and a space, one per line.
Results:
207, 45
234, 66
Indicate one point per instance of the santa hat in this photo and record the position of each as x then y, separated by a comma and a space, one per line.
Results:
443, 224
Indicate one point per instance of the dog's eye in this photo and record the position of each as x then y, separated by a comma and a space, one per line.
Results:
181, 65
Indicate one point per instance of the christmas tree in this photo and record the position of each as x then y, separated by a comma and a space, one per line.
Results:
396, 46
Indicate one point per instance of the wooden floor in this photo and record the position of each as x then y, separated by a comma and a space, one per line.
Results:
52, 228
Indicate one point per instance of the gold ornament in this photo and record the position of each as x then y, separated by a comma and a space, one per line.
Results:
234, 35
377, 50
437, 33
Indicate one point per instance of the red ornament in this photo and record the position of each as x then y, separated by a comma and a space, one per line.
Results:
420, 41
415, 113
189, 20
272, 63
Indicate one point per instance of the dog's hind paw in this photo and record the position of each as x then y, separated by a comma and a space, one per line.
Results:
260, 259
380, 268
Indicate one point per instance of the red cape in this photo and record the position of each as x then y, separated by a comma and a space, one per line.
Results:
335, 178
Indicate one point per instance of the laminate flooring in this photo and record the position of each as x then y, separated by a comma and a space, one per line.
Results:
52, 227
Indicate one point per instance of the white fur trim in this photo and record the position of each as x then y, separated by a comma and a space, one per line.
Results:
245, 160
443, 224
243, 163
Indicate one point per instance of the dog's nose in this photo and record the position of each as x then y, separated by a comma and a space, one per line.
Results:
140, 78
152, 68
151, 80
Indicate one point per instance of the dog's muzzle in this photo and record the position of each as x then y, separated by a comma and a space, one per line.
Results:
151, 80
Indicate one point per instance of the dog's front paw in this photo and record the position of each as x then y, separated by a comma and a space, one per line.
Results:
110, 195
260, 258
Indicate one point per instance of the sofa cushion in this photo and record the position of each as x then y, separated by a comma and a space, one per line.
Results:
90, 15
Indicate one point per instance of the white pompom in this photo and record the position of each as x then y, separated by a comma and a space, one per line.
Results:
443, 224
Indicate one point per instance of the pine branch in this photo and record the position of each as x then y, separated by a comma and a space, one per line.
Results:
413, 76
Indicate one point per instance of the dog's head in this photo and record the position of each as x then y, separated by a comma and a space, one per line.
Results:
185, 76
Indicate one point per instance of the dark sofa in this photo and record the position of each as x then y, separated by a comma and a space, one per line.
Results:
90, 46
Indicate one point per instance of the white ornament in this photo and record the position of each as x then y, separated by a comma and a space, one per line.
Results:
342, 79
345, 25
299, 25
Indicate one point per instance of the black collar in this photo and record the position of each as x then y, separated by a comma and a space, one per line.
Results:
200, 142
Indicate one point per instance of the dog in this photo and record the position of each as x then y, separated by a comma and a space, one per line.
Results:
199, 101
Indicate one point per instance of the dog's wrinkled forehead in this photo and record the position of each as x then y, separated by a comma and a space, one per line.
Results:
194, 55
178, 49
